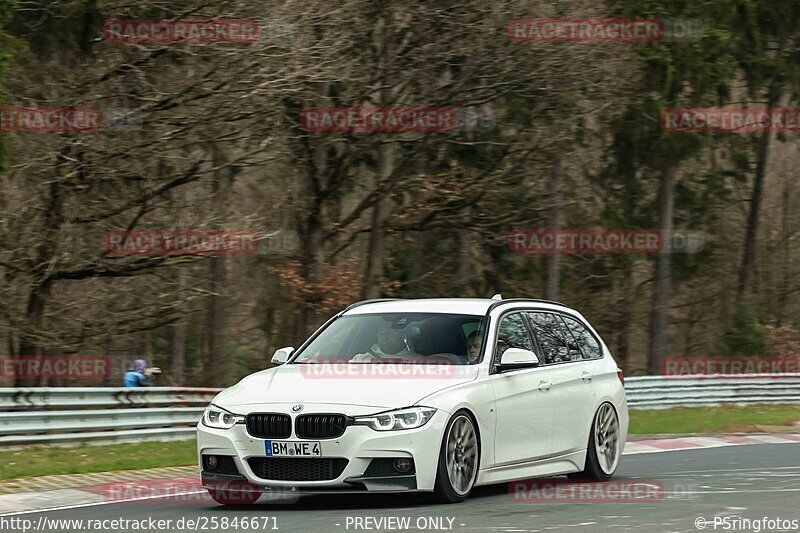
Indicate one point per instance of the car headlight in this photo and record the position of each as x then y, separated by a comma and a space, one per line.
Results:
216, 417
408, 418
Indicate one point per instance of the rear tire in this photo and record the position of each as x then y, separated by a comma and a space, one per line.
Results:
459, 459
602, 452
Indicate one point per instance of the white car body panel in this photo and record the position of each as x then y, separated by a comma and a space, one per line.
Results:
282, 385
524, 428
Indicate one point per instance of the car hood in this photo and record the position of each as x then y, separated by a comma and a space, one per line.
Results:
390, 387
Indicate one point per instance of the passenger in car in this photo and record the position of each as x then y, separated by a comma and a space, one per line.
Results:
473, 347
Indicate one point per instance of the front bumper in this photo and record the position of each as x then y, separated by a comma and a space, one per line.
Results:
359, 446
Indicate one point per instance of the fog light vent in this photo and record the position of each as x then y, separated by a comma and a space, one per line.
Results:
220, 464
403, 465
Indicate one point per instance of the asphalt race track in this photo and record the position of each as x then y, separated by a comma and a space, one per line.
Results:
730, 483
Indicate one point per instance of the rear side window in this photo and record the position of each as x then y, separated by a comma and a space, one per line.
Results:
512, 333
583, 338
554, 339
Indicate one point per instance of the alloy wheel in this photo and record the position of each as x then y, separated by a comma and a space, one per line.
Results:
462, 455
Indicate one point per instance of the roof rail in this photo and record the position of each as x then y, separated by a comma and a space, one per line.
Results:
533, 300
364, 302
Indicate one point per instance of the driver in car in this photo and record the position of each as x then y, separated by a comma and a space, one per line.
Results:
391, 343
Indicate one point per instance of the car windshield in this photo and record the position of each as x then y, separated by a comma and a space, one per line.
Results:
424, 338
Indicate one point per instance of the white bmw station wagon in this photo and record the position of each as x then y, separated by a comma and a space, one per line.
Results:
434, 395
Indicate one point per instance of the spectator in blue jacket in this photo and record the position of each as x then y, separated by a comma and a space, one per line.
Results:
139, 374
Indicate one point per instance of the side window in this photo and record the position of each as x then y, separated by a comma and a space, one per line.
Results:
584, 339
554, 339
512, 333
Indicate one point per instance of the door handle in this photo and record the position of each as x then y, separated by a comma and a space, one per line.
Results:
544, 386
587, 376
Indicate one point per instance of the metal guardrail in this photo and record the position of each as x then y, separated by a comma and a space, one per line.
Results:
102, 415
660, 392
99, 415
16, 399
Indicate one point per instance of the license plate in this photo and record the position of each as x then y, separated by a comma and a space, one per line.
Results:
286, 448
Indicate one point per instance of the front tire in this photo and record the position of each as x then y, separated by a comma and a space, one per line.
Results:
602, 452
459, 458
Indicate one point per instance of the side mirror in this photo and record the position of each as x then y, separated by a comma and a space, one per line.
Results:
282, 355
514, 358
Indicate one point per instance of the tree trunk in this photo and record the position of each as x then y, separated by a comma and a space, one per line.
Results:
466, 271
659, 338
751, 233
215, 370
625, 313
374, 267
178, 342
785, 263
215, 323
42, 284
373, 275
555, 222
310, 226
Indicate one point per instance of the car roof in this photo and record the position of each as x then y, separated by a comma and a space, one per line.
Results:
455, 306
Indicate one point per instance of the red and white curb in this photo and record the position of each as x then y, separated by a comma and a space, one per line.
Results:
696, 443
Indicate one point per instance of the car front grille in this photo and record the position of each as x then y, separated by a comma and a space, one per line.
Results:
269, 425
321, 426
297, 468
